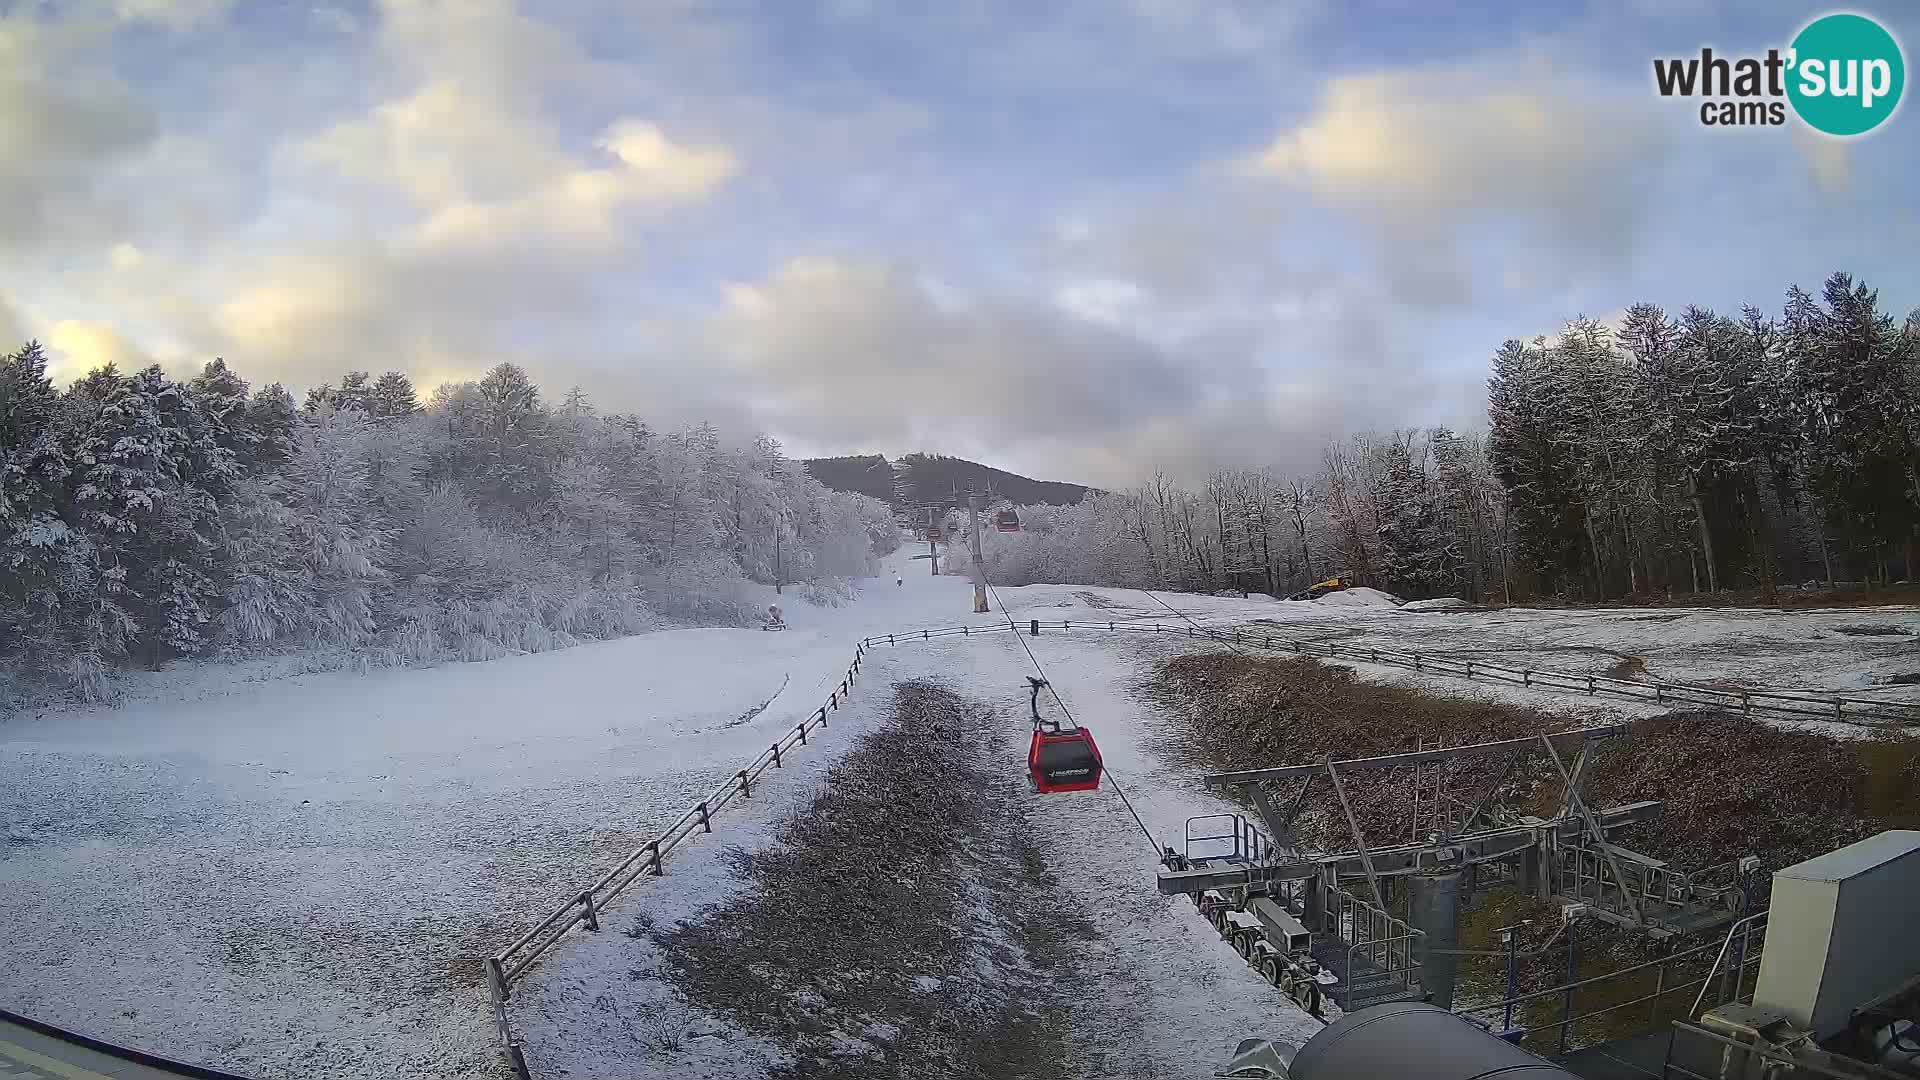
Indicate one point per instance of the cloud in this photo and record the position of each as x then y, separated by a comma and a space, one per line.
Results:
13, 328
78, 347
62, 119
843, 356
863, 352
580, 206
173, 14
1424, 153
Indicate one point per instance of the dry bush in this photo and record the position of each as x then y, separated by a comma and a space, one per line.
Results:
1732, 785
909, 865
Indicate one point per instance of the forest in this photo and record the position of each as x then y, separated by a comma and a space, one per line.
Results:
144, 519
1686, 454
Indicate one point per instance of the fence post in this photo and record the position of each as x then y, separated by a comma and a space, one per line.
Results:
1836, 708
1589, 685
1746, 703
1469, 669
966, 631
746, 785
1659, 987
593, 917
776, 755
1416, 662
926, 635
1526, 677
1566, 1014
823, 716
497, 982
1033, 627
706, 824
659, 863
1659, 693
801, 727
889, 639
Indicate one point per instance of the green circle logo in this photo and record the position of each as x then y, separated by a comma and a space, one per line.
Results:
1845, 74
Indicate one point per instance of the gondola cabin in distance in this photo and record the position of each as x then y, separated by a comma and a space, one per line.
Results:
1060, 759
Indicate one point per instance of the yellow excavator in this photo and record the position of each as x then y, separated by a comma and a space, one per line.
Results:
1322, 588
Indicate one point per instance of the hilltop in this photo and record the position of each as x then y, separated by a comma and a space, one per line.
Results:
917, 479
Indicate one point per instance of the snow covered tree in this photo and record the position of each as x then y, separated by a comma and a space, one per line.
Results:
392, 396
338, 530
46, 561
507, 441
356, 392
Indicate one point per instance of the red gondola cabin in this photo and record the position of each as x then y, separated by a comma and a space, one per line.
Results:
1006, 521
1060, 759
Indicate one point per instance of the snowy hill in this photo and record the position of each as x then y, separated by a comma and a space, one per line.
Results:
917, 479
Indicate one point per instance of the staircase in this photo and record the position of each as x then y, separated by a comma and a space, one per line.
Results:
1372, 955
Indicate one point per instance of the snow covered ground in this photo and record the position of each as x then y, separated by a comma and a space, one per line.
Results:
297, 877
1172, 997
1838, 650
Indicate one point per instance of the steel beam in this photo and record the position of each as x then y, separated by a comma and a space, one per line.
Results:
1400, 859
1228, 875
1386, 761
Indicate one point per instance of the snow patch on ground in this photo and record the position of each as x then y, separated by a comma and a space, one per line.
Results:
1438, 603
1358, 596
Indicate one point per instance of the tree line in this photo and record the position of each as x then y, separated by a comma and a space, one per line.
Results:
1679, 453
144, 518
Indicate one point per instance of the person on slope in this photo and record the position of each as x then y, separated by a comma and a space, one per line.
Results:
899, 580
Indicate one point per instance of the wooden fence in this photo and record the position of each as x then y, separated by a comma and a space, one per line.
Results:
584, 908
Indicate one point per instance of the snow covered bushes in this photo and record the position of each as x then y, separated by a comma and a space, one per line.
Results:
828, 592
143, 518
710, 590
1083, 544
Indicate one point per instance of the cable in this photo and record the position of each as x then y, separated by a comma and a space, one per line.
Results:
1195, 625
1113, 779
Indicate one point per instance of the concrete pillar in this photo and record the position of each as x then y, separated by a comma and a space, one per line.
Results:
1433, 907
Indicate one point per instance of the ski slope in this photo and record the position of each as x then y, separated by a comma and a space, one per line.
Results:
298, 877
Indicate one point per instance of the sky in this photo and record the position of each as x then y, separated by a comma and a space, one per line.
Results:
1079, 239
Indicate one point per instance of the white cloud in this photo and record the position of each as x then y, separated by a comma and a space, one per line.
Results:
76, 347
1425, 152
173, 14
848, 356
862, 353
580, 207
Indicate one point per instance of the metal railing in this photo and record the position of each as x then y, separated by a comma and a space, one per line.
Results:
1738, 947
1736, 1057
1661, 894
1248, 843
1861, 712
585, 907
1568, 993
1379, 945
